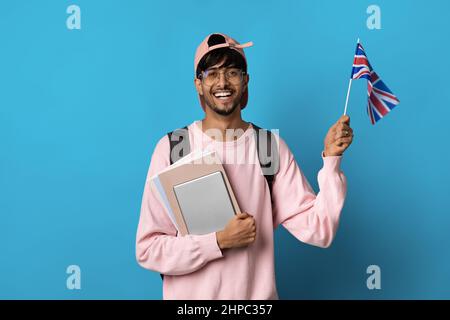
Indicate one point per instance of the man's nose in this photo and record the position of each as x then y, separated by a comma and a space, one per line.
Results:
222, 79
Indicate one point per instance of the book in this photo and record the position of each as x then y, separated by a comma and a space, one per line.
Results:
157, 188
196, 193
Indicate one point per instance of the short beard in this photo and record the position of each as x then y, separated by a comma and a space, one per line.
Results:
223, 112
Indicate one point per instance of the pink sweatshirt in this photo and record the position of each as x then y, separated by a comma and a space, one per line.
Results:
195, 267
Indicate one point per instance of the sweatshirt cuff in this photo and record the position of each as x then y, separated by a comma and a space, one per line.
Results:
209, 246
331, 163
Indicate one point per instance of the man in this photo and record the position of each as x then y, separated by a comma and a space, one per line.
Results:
238, 261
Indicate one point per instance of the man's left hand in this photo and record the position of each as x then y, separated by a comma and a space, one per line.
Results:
339, 137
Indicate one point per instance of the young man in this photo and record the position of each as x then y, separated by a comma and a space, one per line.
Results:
238, 261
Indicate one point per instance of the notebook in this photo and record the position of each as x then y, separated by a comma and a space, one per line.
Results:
196, 193
205, 203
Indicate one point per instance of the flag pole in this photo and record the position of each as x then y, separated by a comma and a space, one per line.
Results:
348, 90
348, 93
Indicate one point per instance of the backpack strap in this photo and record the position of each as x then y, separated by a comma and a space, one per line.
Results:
268, 156
179, 144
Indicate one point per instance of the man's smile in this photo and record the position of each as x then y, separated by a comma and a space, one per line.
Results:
223, 95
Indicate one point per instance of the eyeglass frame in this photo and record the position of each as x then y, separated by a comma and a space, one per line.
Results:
202, 77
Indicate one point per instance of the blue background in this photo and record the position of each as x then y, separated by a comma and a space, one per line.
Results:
81, 111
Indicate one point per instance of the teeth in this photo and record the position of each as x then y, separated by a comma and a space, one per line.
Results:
222, 94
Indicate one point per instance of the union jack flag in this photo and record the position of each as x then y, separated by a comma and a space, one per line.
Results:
381, 100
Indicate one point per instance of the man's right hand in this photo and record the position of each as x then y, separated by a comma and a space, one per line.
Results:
239, 232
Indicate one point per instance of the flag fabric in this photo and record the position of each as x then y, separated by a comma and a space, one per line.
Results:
381, 100
361, 65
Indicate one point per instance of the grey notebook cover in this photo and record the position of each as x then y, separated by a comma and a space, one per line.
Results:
205, 203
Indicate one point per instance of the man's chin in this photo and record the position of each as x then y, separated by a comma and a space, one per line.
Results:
223, 110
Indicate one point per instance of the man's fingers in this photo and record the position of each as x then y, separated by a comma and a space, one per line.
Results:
250, 239
343, 147
346, 127
242, 215
343, 140
342, 123
344, 133
342, 126
338, 142
343, 129
341, 133
344, 119
247, 222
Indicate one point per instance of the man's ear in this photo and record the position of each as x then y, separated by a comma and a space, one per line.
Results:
246, 80
198, 86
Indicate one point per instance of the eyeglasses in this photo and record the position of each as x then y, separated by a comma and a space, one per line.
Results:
211, 76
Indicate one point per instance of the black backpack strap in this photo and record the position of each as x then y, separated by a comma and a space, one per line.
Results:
179, 144
268, 157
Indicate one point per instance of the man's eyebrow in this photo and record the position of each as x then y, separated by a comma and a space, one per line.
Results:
220, 67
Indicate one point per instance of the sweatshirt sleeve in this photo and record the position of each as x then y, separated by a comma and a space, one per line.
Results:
311, 218
158, 247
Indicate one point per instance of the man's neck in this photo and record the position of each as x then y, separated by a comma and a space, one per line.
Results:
213, 120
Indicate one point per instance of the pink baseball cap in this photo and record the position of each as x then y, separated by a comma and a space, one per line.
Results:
220, 41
